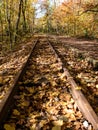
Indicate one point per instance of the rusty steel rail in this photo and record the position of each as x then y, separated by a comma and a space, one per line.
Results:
7, 102
78, 96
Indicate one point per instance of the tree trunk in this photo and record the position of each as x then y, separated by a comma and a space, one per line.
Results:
24, 16
18, 20
9, 23
1, 22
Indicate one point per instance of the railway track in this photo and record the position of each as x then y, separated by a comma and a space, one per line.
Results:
44, 96
85, 75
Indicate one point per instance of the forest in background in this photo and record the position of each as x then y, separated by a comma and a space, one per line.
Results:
18, 19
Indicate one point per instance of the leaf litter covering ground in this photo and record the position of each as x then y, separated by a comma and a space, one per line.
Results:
77, 62
11, 64
43, 101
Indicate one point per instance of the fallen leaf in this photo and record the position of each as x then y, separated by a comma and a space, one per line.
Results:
42, 123
96, 85
1, 81
6, 80
30, 89
1, 96
9, 127
54, 83
58, 123
56, 128
85, 124
33, 127
64, 118
78, 88
25, 103
16, 112
77, 125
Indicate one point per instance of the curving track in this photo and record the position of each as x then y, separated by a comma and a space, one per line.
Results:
41, 97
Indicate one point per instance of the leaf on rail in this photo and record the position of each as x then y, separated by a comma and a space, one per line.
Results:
78, 88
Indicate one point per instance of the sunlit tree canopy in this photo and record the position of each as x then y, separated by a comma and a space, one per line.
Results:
68, 17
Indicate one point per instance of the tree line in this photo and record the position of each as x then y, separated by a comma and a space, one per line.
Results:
71, 18
16, 19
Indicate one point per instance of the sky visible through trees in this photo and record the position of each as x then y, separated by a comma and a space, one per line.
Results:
64, 17
39, 12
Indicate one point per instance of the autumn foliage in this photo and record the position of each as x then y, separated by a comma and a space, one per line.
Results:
74, 18
71, 18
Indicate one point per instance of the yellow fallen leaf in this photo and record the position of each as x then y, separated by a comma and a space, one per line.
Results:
1, 96
31, 90
9, 127
79, 75
78, 88
42, 123
54, 83
72, 117
56, 128
58, 123
6, 80
25, 103
96, 85
16, 112
1, 79
33, 127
